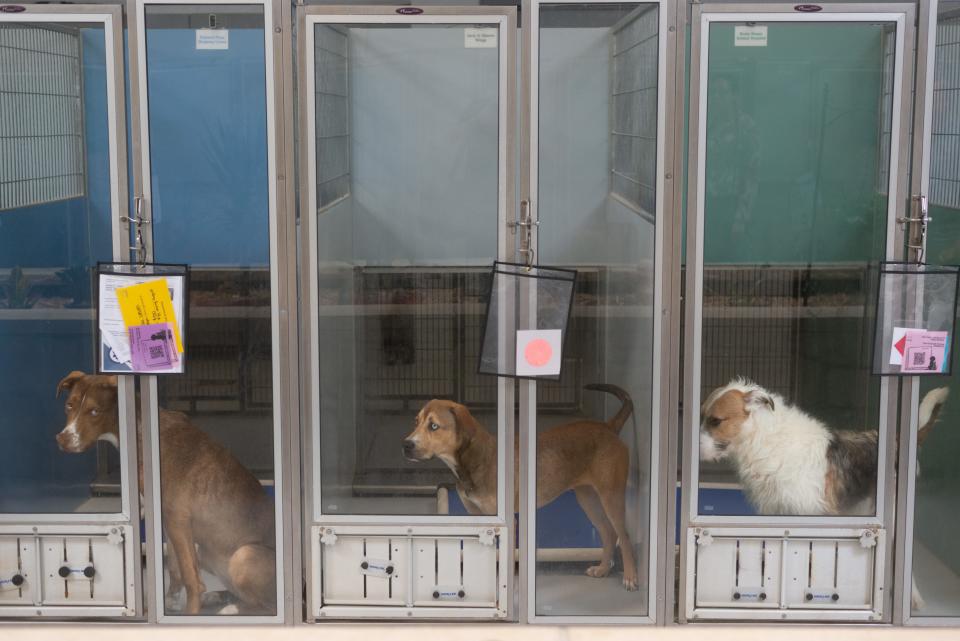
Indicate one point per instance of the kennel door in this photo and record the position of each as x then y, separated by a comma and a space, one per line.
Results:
407, 117
928, 474
207, 174
595, 184
63, 196
798, 127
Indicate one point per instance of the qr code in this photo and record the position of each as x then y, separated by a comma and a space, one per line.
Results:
156, 352
919, 358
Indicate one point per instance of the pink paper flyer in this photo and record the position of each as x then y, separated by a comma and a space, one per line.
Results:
153, 347
924, 352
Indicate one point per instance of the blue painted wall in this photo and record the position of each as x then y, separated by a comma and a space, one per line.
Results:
37, 350
207, 106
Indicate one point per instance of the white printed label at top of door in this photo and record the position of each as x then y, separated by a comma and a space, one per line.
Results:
480, 38
750, 36
213, 39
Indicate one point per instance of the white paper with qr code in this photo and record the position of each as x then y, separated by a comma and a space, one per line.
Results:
924, 352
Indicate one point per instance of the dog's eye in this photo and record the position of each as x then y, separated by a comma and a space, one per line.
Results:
434, 427
713, 421
69, 406
94, 412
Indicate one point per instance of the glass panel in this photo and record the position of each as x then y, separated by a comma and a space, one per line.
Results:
208, 154
797, 150
598, 67
55, 225
936, 559
407, 176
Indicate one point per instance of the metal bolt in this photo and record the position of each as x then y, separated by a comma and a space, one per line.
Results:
668, 175
277, 30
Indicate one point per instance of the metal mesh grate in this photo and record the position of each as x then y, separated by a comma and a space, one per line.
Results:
409, 333
41, 131
758, 321
751, 327
332, 115
230, 368
421, 333
945, 137
633, 105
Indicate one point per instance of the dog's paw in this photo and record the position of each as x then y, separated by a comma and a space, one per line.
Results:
230, 609
600, 570
916, 601
173, 601
630, 583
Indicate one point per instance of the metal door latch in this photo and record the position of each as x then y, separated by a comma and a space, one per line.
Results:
526, 225
919, 215
139, 246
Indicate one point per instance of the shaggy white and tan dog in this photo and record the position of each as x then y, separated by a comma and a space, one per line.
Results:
790, 463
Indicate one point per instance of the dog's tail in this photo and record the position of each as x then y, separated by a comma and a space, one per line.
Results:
626, 409
930, 407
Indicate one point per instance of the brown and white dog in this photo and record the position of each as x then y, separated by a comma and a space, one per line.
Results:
788, 461
216, 515
585, 456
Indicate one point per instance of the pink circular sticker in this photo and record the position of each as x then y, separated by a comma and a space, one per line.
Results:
538, 352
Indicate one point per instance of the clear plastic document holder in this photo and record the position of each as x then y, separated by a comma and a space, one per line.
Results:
916, 319
528, 309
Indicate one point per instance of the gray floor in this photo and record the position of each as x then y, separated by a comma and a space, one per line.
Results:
564, 590
938, 585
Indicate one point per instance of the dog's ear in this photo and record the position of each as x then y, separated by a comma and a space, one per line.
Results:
69, 380
462, 416
758, 399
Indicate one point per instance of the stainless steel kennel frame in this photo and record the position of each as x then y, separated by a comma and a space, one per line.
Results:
288, 368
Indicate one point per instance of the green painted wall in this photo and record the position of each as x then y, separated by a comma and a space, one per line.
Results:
938, 486
793, 140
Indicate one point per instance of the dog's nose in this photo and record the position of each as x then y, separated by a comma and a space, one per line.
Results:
408, 446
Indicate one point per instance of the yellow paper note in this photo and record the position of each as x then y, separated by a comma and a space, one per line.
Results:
147, 304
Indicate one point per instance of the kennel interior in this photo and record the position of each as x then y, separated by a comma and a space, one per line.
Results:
56, 192
936, 561
406, 230
210, 207
788, 301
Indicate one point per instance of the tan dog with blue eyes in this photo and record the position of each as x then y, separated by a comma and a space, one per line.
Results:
586, 456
